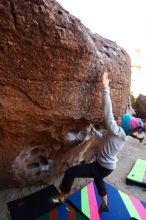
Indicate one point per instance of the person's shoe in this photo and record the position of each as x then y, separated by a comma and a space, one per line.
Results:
55, 200
103, 209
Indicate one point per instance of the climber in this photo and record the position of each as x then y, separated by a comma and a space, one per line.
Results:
111, 143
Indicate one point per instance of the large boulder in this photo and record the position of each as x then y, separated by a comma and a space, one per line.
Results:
51, 70
140, 106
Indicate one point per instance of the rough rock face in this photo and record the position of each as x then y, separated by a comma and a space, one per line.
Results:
141, 106
51, 70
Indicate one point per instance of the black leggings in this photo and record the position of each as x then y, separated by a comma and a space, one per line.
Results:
90, 170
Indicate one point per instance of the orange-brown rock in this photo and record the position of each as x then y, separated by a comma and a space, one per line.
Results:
51, 70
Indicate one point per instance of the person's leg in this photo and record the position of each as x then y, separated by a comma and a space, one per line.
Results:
103, 194
100, 174
91, 170
82, 170
104, 201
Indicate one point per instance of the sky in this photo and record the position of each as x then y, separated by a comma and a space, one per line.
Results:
122, 21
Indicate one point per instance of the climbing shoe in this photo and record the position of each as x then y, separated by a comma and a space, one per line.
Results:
55, 200
103, 209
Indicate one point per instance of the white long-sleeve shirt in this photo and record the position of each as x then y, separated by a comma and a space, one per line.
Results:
113, 140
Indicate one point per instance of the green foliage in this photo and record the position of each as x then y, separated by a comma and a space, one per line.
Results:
133, 101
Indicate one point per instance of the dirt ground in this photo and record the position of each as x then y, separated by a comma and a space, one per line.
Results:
132, 151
